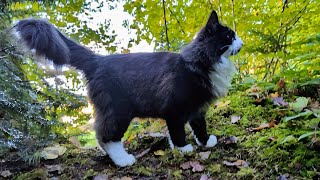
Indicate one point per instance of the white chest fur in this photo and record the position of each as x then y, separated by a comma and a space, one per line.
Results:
222, 76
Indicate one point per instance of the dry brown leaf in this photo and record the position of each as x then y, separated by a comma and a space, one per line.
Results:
238, 163
262, 126
185, 165
235, 119
195, 165
281, 84
204, 155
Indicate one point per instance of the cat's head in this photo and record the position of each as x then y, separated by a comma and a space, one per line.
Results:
217, 39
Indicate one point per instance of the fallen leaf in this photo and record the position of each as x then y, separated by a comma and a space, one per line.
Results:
279, 101
204, 155
231, 140
75, 141
237, 163
131, 137
282, 177
101, 177
6, 173
262, 126
274, 95
235, 119
126, 178
205, 177
301, 102
185, 165
222, 104
195, 165
281, 84
159, 152
53, 152
53, 168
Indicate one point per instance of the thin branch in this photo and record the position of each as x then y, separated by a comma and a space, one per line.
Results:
165, 23
233, 21
294, 18
220, 10
177, 21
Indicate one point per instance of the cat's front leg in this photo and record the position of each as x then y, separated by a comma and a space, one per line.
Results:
198, 126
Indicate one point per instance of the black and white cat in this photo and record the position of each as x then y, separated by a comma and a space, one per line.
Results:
177, 87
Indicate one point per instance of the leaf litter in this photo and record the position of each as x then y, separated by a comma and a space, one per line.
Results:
263, 126
195, 165
238, 163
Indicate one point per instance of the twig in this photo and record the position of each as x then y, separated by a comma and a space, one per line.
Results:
233, 21
303, 9
152, 148
165, 23
177, 21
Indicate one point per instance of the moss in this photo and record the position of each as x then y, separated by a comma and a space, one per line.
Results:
246, 173
34, 174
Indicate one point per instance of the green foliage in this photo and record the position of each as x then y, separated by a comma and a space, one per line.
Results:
33, 102
281, 37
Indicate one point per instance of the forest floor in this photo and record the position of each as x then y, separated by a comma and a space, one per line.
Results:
256, 138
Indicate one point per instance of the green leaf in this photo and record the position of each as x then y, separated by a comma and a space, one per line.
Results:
307, 113
308, 134
289, 139
301, 102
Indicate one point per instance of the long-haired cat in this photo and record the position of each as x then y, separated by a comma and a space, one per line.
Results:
174, 86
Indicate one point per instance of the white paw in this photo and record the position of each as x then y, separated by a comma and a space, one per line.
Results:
125, 160
118, 154
185, 149
212, 141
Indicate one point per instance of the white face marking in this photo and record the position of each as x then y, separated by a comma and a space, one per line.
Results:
236, 44
118, 154
234, 47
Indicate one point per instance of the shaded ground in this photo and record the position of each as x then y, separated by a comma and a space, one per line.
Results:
267, 151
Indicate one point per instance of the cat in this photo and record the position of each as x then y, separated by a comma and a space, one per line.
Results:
177, 87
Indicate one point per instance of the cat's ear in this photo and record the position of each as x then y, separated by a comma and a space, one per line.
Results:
212, 21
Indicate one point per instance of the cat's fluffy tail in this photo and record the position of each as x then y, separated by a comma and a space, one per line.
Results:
43, 39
